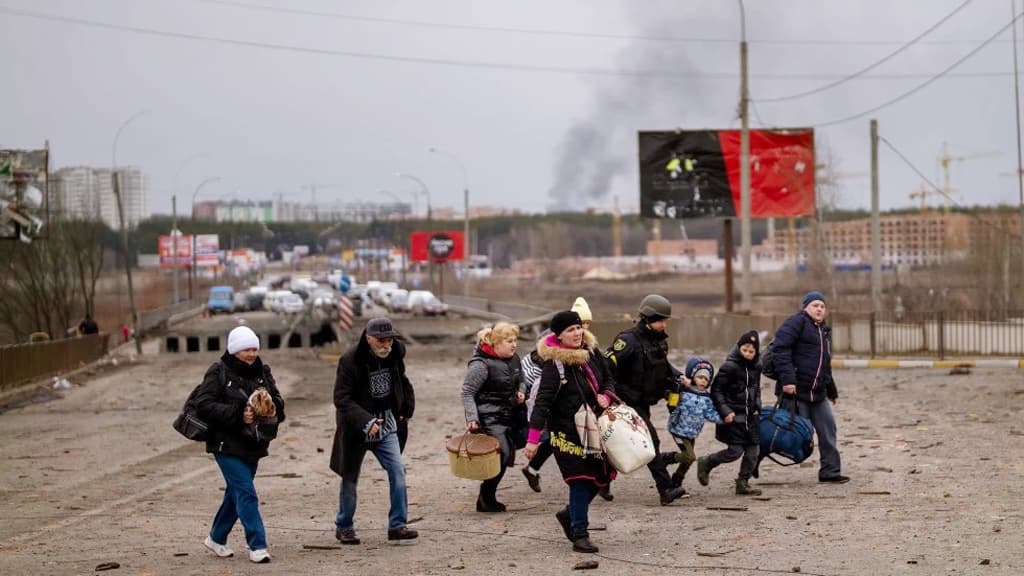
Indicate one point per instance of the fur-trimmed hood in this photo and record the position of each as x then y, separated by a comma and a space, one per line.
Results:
548, 348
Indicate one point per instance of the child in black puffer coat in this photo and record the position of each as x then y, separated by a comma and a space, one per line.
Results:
736, 392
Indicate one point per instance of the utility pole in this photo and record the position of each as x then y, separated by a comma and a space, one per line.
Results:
116, 183
1016, 109
745, 235
174, 242
876, 226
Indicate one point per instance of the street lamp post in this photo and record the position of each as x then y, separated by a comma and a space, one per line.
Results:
174, 214
465, 220
192, 269
426, 192
116, 187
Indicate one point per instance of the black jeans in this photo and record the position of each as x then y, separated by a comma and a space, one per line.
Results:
734, 452
658, 466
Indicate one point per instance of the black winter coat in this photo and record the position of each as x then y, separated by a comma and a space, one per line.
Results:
354, 405
222, 398
802, 354
639, 362
736, 389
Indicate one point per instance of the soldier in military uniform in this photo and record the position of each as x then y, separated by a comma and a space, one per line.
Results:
643, 376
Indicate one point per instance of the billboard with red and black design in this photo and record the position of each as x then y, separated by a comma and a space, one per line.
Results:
696, 173
441, 246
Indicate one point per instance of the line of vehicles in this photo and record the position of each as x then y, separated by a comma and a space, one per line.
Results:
293, 295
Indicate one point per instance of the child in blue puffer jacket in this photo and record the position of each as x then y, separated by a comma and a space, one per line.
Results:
695, 407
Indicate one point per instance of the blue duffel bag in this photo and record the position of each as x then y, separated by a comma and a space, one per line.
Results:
786, 433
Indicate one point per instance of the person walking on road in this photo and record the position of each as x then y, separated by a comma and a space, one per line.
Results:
239, 437
574, 378
532, 365
492, 390
802, 354
372, 395
644, 376
736, 392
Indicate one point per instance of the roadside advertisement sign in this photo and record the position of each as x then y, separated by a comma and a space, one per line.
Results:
207, 250
165, 248
696, 173
442, 246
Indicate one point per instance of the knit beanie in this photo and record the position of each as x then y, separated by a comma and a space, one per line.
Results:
581, 307
699, 367
242, 338
562, 320
750, 337
811, 297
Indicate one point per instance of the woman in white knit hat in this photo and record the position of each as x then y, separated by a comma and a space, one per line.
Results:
242, 424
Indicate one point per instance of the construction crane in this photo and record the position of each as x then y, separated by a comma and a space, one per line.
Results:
945, 160
923, 193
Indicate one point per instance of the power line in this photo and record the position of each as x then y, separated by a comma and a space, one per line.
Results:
924, 84
934, 187
876, 64
636, 73
562, 33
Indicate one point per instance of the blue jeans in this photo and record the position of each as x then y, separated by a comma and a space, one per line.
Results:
240, 503
581, 493
390, 458
820, 415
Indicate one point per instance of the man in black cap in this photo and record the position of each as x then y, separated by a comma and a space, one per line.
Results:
802, 354
643, 376
373, 398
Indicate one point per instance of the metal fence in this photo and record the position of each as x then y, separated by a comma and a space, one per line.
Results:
938, 334
24, 362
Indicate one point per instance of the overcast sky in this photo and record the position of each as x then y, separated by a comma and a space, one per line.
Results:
540, 99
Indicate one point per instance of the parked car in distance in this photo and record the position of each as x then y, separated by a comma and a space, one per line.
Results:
434, 307
398, 300
291, 304
241, 302
222, 299
417, 298
272, 301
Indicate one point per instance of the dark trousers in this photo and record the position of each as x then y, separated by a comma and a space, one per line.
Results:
489, 488
543, 452
747, 451
820, 415
658, 466
581, 494
685, 457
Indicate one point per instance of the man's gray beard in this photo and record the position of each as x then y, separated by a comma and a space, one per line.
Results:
382, 352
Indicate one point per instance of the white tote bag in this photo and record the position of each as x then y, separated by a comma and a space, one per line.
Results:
626, 440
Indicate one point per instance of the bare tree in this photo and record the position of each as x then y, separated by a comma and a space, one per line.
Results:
47, 284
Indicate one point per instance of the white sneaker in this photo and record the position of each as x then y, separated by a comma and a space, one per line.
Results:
219, 549
260, 556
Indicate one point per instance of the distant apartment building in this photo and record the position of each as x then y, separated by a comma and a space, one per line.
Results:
280, 211
906, 239
88, 193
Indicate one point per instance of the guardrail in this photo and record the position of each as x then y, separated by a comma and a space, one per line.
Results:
160, 318
24, 362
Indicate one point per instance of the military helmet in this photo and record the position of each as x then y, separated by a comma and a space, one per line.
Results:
655, 306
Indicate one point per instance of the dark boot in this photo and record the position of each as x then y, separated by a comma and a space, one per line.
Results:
606, 492
703, 470
670, 495
743, 488
563, 519
483, 505
581, 543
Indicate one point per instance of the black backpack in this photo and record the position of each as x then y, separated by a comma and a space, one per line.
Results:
768, 362
188, 423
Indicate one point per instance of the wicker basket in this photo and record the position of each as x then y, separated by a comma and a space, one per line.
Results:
474, 456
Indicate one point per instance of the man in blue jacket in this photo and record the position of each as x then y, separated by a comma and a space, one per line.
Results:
802, 352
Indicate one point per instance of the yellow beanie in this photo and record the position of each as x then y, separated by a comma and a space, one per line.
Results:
580, 307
